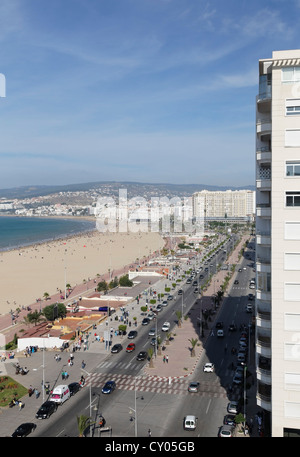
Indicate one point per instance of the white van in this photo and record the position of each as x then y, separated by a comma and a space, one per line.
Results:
60, 394
190, 422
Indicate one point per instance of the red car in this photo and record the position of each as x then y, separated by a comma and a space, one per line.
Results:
130, 347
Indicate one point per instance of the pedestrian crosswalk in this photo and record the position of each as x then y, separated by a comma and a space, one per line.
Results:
142, 383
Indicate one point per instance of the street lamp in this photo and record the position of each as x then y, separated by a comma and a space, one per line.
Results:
90, 396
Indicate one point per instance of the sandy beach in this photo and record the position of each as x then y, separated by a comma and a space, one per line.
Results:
27, 273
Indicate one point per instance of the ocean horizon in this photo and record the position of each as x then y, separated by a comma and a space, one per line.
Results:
19, 231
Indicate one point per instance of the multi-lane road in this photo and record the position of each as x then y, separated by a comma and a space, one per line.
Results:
140, 403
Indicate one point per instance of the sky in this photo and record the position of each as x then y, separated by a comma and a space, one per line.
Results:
156, 91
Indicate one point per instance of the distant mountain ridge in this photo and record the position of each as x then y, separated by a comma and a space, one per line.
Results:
132, 187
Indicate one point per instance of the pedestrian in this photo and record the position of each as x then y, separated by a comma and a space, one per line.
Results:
37, 394
164, 359
20, 405
149, 432
83, 364
62, 375
167, 358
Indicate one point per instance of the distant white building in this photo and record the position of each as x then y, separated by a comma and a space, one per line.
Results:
231, 205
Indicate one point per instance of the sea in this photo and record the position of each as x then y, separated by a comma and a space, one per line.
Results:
16, 231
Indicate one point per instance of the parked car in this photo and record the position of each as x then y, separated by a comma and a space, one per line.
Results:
165, 303
116, 348
153, 341
145, 321
170, 297
194, 386
158, 308
46, 410
24, 430
74, 387
232, 407
132, 334
152, 331
130, 347
142, 355
229, 419
108, 387
209, 367
180, 292
226, 431
220, 332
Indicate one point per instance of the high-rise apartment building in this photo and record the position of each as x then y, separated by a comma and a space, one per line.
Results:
220, 205
277, 304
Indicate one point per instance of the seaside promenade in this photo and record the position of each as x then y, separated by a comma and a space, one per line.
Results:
180, 363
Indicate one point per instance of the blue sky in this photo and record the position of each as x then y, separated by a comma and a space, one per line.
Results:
135, 90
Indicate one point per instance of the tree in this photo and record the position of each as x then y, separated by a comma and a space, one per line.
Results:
102, 286
52, 312
193, 342
46, 295
124, 281
150, 355
83, 423
179, 316
114, 283
34, 317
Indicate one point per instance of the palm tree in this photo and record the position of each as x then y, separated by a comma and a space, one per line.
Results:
83, 422
46, 295
179, 316
193, 342
150, 355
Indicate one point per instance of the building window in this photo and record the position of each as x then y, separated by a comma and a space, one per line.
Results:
292, 230
292, 292
292, 199
292, 261
292, 138
292, 106
290, 74
292, 168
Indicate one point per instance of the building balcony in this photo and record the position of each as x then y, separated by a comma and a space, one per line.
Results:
263, 238
262, 294
263, 319
263, 155
263, 210
263, 346
263, 126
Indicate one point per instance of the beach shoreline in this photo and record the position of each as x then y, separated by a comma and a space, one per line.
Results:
28, 272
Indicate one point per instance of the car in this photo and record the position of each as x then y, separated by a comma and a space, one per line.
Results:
195, 283
142, 355
241, 357
180, 292
74, 387
219, 325
236, 281
194, 386
116, 348
201, 277
166, 327
209, 367
170, 297
232, 327
151, 316
145, 321
229, 419
165, 303
238, 378
232, 407
220, 332
130, 347
190, 422
152, 331
158, 308
24, 430
249, 308
108, 387
251, 296
132, 334
196, 291
46, 410
153, 341
226, 431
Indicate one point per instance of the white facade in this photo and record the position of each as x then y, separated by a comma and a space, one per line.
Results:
278, 240
235, 204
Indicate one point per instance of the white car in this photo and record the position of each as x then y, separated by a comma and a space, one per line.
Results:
190, 422
165, 327
209, 368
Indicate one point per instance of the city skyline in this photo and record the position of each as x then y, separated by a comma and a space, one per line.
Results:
134, 90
